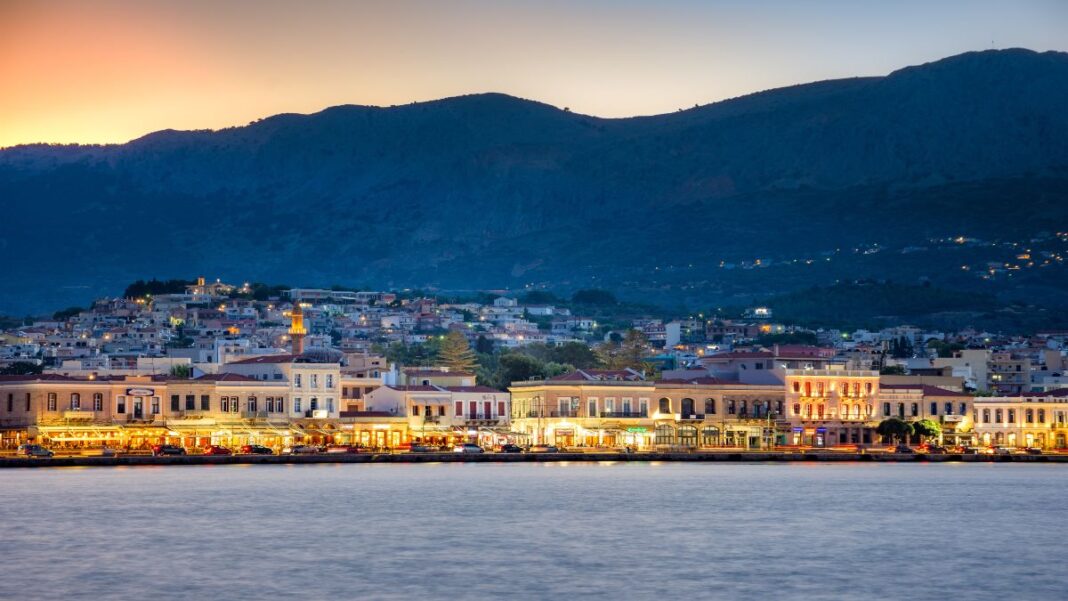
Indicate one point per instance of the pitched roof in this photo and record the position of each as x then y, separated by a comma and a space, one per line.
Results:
600, 375
927, 389
470, 389
287, 358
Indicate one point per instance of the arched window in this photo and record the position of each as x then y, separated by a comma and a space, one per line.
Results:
1029, 415
665, 435
688, 409
845, 410
75, 401
710, 436
665, 405
1041, 416
710, 406
688, 436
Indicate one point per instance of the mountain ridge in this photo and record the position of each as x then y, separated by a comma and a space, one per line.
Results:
495, 191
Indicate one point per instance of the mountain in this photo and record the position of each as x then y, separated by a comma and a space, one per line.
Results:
855, 178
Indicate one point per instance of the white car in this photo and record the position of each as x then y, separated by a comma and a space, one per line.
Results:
468, 448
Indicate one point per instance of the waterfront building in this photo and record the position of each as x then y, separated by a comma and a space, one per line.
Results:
586, 408
1038, 421
831, 406
441, 416
711, 413
914, 402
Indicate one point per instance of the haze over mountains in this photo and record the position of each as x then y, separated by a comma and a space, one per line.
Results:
491, 191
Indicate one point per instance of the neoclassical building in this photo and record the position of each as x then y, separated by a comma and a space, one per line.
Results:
1022, 421
831, 406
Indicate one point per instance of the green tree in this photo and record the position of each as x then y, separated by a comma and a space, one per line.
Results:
67, 313
927, 428
182, 372
21, 368
892, 370
576, 354
515, 367
630, 352
456, 353
896, 429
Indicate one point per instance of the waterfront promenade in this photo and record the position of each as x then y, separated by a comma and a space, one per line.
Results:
712, 456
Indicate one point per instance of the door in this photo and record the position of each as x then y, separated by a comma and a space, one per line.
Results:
139, 408
687, 408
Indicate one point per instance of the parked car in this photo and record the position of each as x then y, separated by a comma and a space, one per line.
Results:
345, 448
108, 452
1002, 451
167, 449
543, 448
468, 448
255, 449
978, 451
301, 449
904, 449
937, 449
1033, 451
510, 448
422, 448
217, 450
35, 450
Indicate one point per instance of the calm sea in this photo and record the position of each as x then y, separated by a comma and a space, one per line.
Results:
537, 531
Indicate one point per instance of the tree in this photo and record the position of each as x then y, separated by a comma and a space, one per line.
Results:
892, 370
483, 345
576, 354
594, 296
630, 353
456, 353
895, 429
927, 428
515, 367
21, 368
182, 372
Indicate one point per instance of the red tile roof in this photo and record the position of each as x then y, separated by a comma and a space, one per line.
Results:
927, 389
470, 389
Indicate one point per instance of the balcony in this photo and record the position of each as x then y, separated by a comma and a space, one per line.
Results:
429, 419
552, 414
622, 414
482, 420
247, 414
695, 417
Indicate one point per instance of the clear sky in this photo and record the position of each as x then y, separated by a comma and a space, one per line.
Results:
109, 71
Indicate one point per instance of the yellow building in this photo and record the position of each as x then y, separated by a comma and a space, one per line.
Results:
1022, 422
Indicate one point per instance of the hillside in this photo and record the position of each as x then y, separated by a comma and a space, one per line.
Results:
494, 191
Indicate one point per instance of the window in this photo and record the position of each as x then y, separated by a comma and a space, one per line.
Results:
626, 406
329, 380
297, 380
415, 409
205, 402
155, 405
778, 407
27, 401
710, 406
224, 404
75, 401
176, 402
1029, 416
665, 435
190, 402
1041, 416
51, 401
314, 404
820, 409
665, 405
330, 404
315, 380
998, 416
252, 403
10, 402
459, 408
441, 410
901, 410
797, 408
963, 408
120, 404
1012, 416
986, 416
591, 408
949, 408
609, 405
886, 409
501, 409
934, 408
296, 405
98, 401
472, 407
643, 406
797, 387
731, 407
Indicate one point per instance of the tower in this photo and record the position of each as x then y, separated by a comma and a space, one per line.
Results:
297, 329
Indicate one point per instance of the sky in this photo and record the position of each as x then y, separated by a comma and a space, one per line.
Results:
109, 71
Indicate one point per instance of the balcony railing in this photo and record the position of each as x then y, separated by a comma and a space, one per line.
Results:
247, 414
621, 414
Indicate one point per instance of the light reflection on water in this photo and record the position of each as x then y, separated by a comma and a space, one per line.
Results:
536, 531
